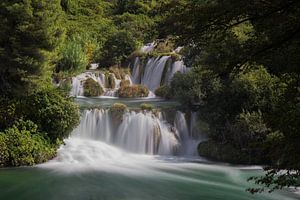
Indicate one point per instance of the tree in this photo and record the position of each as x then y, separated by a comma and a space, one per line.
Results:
30, 33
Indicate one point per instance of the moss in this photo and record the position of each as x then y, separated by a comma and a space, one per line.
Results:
163, 91
146, 106
226, 153
110, 81
92, 88
133, 91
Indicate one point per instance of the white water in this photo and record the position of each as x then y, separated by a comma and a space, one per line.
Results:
153, 72
177, 66
148, 47
101, 138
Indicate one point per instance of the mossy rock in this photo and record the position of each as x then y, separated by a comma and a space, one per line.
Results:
92, 88
117, 111
133, 91
146, 106
163, 91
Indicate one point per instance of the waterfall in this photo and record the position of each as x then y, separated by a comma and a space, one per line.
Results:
78, 81
153, 72
136, 72
139, 132
189, 139
177, 66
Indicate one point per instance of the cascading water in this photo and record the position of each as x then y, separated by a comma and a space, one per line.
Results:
153, 72
187, 134
103, 135
177, 66
78, 81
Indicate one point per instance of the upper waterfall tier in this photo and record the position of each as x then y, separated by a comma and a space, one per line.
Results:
77, 88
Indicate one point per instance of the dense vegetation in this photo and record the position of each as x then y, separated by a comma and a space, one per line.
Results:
245, 80
245, 77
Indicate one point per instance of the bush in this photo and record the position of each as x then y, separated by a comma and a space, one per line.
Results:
117, 48
163, 91
146, 106
226, 153
23, 145
133, 91
73, 58
55, 115
8, 112
92, 88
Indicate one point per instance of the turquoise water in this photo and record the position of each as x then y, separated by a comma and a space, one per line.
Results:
167, 180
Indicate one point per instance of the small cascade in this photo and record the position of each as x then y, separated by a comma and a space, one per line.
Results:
189, 139
148, 47
78, 81
153, 72
136, 71
139, 132
177, 66
156, 71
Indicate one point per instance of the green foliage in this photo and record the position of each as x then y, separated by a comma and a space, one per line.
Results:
92, 88
196, 86
24, 145
133, 91
257, 66
257, 89
117, 48
163, 91
30, 33
146, 106
73, 58
54, 115
224, 152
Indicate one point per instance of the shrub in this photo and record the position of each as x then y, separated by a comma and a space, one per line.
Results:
163, 91
73, 58
54, 114
133, 91
23, 145
146, 106
92, 88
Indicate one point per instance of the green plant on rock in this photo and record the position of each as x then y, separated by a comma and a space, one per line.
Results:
133, 91
117, 111
146, 106
92, 88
